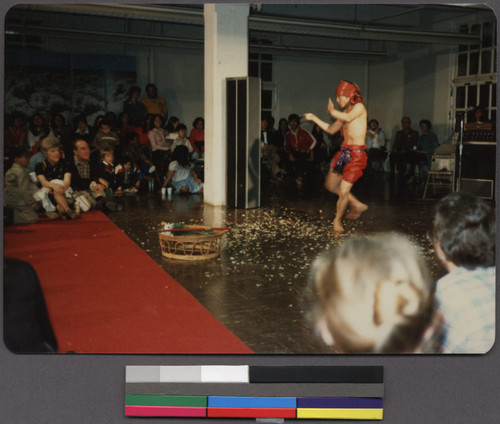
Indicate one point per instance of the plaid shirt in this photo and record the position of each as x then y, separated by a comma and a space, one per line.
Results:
466, 299
83, 168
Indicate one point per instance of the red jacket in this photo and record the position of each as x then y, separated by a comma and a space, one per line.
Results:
301, 141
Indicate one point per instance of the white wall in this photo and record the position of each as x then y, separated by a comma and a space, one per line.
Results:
415, 83
305, 84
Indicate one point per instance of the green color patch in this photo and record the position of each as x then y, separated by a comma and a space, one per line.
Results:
165, 400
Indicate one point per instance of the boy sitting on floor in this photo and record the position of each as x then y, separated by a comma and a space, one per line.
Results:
19, 189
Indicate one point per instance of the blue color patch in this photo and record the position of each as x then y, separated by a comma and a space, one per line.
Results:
251, 402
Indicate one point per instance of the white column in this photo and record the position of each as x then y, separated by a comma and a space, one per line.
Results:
226, 55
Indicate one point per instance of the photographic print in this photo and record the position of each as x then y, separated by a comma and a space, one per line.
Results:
250, 178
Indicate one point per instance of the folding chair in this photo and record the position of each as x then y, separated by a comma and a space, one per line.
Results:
442, 172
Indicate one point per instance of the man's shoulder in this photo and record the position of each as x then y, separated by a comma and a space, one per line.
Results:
482, 278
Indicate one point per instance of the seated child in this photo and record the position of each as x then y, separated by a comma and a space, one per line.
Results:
105, 137
182, 174
54, 176
127, 177
106, 174
181, 139
375, 296
464, 241
19, 189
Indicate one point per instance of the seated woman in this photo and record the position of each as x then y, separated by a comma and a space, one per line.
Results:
171, 129
160, 148
182, 174
197, 138
55, 178
427, 141
375, 295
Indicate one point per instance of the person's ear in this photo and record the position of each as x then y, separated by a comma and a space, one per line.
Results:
439, 251
394, 300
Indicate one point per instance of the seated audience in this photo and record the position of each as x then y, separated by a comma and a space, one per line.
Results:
182, 174
123, 129
127, 177
405, 141
464, 241
478, 116
171, 128
282, 130
427, 141
134, 150
59, 127
160, 148
105, 138
81, 129
269, 151
95, 127
19, 189
84, 177
134, 108
298, 144
197, 138
37, 130
375, 295
181, 139
154, 104
375, 145
106, 167
54, 176
14, 134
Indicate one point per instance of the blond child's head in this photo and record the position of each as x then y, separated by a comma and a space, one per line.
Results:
375, 295
107, 155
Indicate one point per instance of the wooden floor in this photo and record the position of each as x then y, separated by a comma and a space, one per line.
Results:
257, 287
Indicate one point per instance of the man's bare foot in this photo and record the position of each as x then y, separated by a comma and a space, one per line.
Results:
337, 227
355, 213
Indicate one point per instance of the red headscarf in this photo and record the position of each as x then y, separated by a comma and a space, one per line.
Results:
349, 89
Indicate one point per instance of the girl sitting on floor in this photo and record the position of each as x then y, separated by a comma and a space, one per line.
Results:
375, 295
182, 174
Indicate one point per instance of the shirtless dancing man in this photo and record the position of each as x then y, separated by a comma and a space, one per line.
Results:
348, 164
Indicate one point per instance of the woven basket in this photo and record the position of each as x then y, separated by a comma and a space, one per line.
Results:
191, 247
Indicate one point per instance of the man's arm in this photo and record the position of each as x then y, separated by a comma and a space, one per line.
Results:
348, 117
329, 128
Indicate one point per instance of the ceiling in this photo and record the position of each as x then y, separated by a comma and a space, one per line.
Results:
360, 31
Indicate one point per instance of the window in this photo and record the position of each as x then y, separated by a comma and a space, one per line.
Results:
475, 82
14, 39
261, 65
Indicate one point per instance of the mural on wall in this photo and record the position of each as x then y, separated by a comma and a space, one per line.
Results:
70, 89
29, 89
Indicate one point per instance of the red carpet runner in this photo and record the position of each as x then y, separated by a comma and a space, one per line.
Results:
106, 295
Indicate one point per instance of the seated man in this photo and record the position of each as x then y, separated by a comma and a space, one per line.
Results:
88, 190
298, 144
405, 141
270, 149
464, 240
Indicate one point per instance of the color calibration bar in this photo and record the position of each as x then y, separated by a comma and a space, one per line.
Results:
304, 392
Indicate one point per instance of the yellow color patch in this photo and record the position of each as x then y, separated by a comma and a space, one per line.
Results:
339, 413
